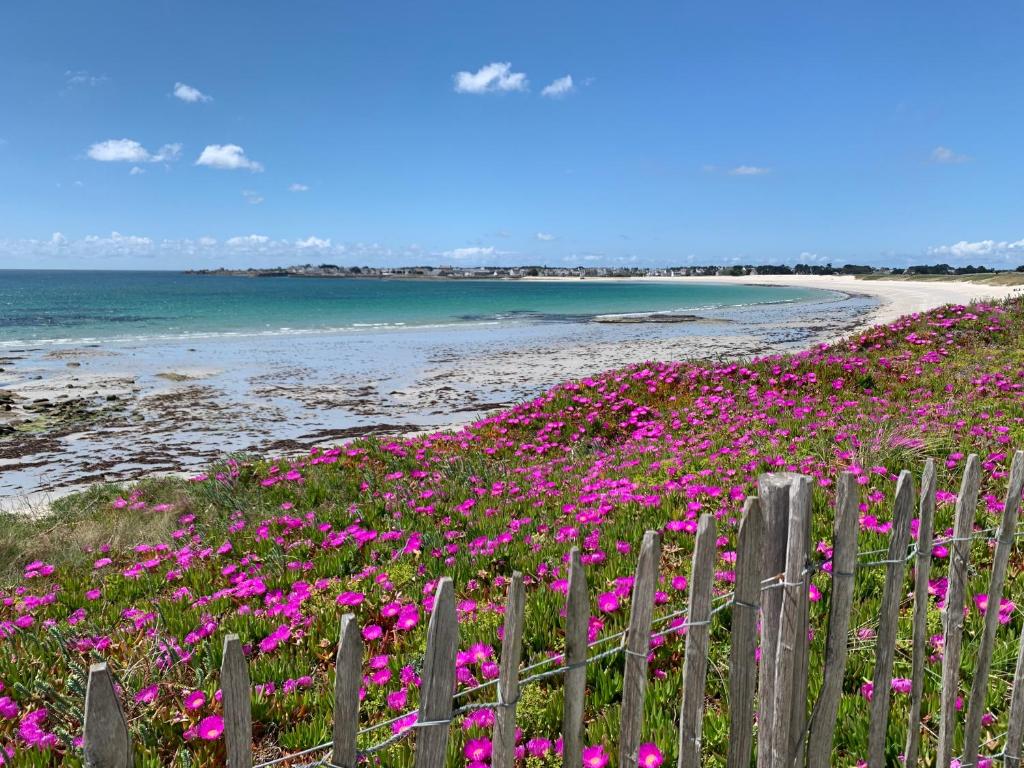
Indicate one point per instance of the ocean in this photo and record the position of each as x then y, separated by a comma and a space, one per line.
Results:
60, 307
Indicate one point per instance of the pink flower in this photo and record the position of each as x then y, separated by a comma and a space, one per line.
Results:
538, 747
902, 684
195, 700
8, 708
649, 756
608, 602
595, 757
478, 750
408, 618
210, 728
148, 694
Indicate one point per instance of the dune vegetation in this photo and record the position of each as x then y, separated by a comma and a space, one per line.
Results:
150, 577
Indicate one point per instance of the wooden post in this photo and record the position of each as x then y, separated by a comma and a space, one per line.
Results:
1012, 757
1004, 546
695, 664
237, 700
438, 679
922, 570
788, 700
953, 612
503, 752
800, 494
638, 641
885, 646
773, 492
742, 661
348, 668
844, 558
105, 739
577, 620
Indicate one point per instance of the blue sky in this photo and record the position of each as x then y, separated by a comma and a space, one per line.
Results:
883, 133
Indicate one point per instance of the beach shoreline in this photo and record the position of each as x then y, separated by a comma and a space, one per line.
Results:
173, 407
895, 297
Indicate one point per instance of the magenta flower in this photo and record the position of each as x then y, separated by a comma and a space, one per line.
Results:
902, 684
478, 750
538, 747
148, 694
595, 757
608, 602
210, 728
8, 708
195, 700
649, 756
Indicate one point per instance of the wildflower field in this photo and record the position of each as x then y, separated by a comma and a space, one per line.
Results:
151, 577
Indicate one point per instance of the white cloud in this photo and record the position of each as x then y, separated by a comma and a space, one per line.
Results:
496, 76
82, 77
136, 171
946, 156
558, 88
313, 242
296, 187
253, 198
190, 94
545, 236
980, 249
748, 170
468, 253
228, 157
207, 242
58, 239
119, 242
247, 241
131, 151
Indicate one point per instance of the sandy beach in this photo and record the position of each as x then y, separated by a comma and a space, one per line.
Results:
118, 411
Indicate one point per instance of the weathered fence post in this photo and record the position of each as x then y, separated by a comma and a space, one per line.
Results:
638, 642
1004, 546
742, 661
800, 493
790, 703
773, 493
953, 612
577, 621
503, 752
844, 558
438, 686
105, 740
237, 700
348, 666
695, 662
1015, 725
888, 620
922, 570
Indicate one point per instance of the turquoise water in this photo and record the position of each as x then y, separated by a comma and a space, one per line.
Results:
65, 306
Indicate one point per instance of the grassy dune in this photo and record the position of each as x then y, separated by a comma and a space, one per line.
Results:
150, 577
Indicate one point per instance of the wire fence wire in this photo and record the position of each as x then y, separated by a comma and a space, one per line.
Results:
725, 600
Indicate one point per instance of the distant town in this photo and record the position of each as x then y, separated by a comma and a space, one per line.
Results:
512, 273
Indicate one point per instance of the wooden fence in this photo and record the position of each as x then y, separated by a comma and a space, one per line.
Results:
773, 576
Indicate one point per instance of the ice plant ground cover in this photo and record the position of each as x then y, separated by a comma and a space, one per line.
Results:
151, 577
